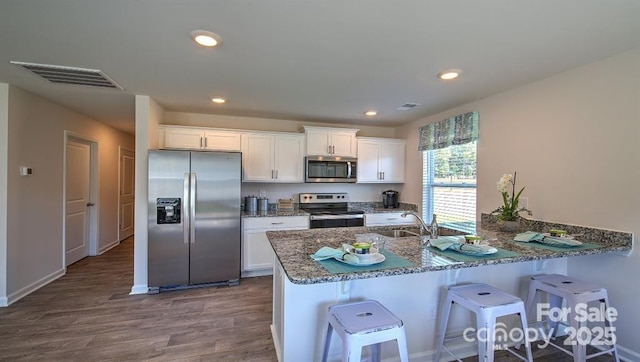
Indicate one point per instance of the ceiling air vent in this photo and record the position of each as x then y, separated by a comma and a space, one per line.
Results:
407, 106
70, 75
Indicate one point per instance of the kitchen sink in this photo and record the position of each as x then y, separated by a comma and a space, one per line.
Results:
405, 232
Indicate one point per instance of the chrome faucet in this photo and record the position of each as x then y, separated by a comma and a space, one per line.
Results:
433, 234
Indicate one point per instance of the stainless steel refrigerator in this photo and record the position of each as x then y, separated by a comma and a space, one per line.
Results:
194, 219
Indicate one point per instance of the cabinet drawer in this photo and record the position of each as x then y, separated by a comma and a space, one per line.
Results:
388, 218
278, 222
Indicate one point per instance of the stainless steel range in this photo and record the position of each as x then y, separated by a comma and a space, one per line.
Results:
330, 210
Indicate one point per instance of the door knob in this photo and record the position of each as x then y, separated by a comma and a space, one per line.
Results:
90, 204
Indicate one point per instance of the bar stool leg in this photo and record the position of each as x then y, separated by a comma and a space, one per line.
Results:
525, 330
402, 346
352, 352
327, 342
579, 350
443, 327
555, 301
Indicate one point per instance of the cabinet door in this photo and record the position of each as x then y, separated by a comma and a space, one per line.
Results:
289, 165
317, 143
343, 144
257, 157
368, 162
222, 141
183, 138
391, 161
258, 253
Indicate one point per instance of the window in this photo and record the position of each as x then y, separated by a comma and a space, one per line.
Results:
449, 149
449, 186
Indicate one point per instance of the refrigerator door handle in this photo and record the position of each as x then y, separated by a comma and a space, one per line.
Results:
192, 209
186, 220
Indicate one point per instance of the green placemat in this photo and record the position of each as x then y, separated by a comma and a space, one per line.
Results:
584, 246
464, 257
391, 261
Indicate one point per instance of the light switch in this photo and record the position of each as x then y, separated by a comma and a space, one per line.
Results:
26, 171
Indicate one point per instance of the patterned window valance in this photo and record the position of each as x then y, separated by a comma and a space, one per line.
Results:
456, 130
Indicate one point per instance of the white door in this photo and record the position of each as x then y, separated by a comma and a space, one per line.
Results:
77, 200
257, 157
289, 154
127, 187
392, 161
368, 170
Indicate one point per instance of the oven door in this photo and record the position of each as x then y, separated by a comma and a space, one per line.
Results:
335, 221
330, 169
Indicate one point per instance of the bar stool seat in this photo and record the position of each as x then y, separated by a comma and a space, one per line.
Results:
361, 324
488, 303
574, 292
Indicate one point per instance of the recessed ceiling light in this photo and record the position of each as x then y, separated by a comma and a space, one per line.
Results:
449, 74
370, 113
218, 100
205, 38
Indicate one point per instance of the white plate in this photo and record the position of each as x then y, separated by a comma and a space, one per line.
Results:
564, 243
476, 249
376, 258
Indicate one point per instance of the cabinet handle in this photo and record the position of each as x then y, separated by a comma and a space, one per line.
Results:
205, 142
276, 174
277, 223
200, 142
329, 149
271, 173
333, 150
383, 175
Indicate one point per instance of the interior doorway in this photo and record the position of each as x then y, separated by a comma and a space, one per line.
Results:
126, 191
80, 198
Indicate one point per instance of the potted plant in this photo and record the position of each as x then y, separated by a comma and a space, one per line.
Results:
509, 213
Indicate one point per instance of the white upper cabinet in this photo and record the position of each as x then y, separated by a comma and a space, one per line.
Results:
381, 160
199, 139
325, 141
273, 157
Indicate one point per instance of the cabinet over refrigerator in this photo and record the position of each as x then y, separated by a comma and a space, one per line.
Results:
194, 219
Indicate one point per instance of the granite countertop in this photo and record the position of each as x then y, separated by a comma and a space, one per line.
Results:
294, 247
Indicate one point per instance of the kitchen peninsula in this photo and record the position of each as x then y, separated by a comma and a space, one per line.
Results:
303, 288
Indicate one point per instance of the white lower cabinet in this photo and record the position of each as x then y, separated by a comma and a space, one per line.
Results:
257, 254
388, 218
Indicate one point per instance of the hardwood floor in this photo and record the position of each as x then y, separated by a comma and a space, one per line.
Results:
88, 315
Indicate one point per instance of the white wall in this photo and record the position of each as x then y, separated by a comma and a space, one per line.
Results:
35, 243
572, 139
148, 116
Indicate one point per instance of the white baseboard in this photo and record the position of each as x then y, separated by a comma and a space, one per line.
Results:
108, 247
256, 273
16, 296
139, 289
3, 302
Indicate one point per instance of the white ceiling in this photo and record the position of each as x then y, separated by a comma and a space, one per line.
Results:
312, 60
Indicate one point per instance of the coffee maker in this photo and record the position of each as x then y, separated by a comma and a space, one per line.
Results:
390, 199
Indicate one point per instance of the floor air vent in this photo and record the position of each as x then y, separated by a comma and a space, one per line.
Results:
70, 75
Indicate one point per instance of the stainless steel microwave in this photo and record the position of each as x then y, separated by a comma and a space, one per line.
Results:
330, 169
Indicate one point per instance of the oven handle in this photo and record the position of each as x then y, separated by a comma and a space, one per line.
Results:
335, 217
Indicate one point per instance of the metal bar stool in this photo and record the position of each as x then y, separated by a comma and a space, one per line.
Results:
362, 324
575, 292
488, 303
